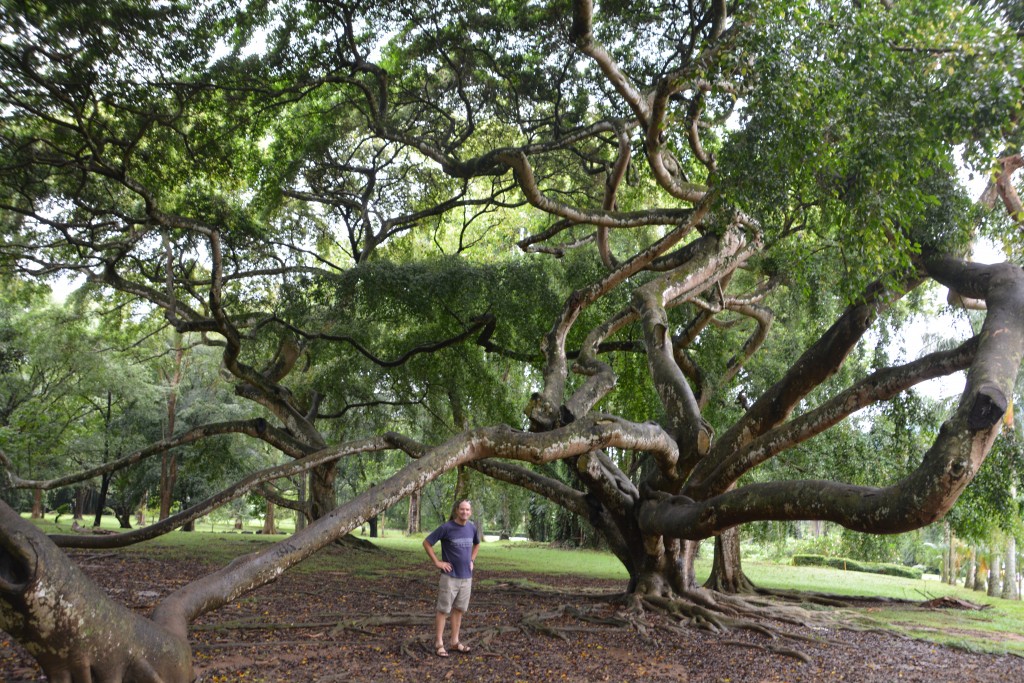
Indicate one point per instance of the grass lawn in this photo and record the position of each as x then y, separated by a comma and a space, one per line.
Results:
997, 629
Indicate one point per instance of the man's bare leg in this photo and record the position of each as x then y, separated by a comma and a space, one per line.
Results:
456, 625
439, 619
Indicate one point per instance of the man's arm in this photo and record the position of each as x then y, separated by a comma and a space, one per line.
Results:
443, 566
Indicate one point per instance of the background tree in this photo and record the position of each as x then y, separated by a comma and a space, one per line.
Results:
71, 399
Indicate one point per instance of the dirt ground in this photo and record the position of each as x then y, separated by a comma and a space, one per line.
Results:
336, 625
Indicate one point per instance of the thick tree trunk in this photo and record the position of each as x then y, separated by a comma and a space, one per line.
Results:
463, 491
687, 577
268, 520
666, 568
1010, 572
727, 571
168, 479
972, 570
322, 501
108, 419
69, 625
169, 461
994, 582
981, 576
463, 487
123, 517
81, 494
300, 515
412, 525
101, 500
37, 504
321, 490
947, 555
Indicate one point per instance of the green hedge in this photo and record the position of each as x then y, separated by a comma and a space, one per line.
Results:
847, 564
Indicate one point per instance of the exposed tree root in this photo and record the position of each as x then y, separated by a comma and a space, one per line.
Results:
788, 652
950, 602
484, 637
760, 612
537, 623
354, 542
517, 586
254, 644
336, 622
831, 599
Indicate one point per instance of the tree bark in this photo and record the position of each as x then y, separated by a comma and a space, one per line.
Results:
268, 520
1010, 591
727, 570
321, 489
70, 626
140, 513
108, 416
664, 570
101, 499
463, 490
169, 459
124, 519
37, 504
994, 578
168, 480
412, 525
301, 518
81, 494
947, 555
981, 575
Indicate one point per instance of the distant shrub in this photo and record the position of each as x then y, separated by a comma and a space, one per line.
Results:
849, 565
897, 570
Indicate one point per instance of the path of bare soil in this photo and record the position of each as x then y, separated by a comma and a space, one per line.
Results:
336, 625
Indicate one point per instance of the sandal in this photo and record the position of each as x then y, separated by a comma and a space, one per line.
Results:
459, 647
440, 651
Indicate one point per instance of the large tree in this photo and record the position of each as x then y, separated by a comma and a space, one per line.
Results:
331, 192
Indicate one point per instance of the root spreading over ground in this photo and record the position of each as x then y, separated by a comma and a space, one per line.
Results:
332, 624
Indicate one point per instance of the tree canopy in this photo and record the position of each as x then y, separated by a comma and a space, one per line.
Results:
655, 241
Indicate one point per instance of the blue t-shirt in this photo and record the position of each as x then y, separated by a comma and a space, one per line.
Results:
457, 541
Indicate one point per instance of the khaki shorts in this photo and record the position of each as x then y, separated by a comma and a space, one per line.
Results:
452, 592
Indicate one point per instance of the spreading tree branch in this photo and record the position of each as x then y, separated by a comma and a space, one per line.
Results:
252, 482
258, 428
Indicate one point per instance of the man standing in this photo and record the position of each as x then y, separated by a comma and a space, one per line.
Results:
460, 542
